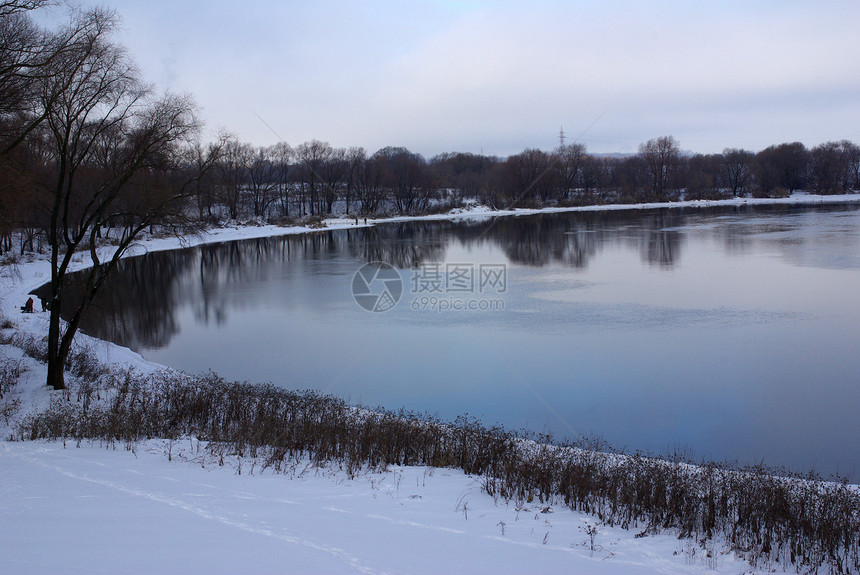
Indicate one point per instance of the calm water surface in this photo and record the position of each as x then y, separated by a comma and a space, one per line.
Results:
731, 333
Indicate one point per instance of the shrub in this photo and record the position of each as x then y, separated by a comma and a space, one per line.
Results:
761, 516
37, 348
10, 372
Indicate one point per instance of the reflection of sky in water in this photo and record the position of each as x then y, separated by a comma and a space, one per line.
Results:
732, 334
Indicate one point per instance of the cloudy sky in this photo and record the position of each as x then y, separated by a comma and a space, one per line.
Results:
499, 76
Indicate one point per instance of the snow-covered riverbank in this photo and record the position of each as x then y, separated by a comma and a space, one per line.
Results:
94, 509
65, 508
171, 507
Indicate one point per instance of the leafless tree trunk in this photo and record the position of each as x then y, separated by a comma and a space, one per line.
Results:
233, 168
335, 171
282, 155
661, 157
528, 177
355, 157
851, 165
570, 160
736, 170
370, 185
311, 157
262, 181
105, 130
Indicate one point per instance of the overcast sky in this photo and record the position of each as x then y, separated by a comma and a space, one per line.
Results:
442, 76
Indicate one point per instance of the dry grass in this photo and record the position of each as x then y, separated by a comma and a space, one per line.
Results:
765, 518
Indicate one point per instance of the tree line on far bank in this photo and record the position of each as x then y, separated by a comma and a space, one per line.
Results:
234, 180
280, 182
90, 154
77, 123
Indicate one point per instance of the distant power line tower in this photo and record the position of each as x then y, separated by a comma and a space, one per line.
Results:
561, 137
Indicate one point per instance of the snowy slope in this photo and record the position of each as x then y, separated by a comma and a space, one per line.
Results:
108, 510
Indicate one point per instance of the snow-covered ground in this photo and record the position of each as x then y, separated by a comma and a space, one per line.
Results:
67, 508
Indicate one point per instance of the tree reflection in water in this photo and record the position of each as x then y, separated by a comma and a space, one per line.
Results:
137, 309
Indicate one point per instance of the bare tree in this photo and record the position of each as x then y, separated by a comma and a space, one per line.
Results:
282, 155
528, 177
233, 171
108, 134
370, 184
262, 180
406, 175
826, 168
334, 173
464, 174
851, 165
701, 176
570, 161
21, 173
201, 159
662, 156
311, 158
28, 57
736, 170
782, 169
592, 176
355, 157
21, 55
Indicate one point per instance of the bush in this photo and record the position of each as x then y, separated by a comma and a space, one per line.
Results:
314, 222
10, 372
761, 516
83, 364
37, 348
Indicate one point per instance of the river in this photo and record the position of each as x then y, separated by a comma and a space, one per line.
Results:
728, 333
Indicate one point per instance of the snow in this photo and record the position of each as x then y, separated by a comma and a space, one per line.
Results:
106, 509
168, 508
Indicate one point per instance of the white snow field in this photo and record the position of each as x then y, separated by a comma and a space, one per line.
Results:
104, 510
96, 508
